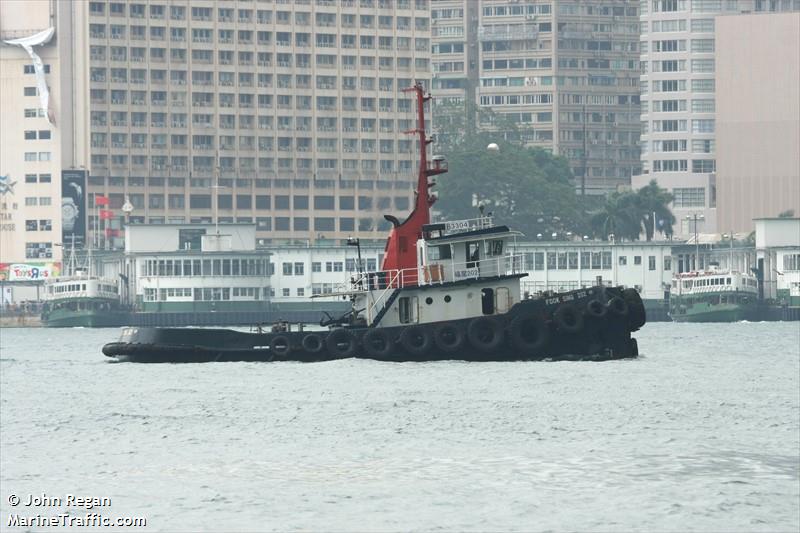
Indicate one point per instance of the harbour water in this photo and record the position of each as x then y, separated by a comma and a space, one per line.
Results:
700, 433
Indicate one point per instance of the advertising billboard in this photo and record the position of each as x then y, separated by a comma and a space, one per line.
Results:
73, 207
29, 271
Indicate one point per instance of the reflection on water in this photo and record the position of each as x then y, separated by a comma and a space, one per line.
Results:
700, 433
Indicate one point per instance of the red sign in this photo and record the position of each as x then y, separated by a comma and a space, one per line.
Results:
100, 200
106, 215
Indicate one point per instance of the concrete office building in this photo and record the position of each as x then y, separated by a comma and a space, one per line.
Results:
758, 118
679, 88
565, 73
295, 107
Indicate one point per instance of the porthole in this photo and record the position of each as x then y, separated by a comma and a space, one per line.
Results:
447, 298
429, 300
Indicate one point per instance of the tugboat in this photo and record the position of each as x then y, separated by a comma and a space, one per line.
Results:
446, 290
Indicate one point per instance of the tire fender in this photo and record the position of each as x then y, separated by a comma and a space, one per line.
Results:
485, 333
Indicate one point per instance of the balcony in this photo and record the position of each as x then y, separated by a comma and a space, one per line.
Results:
510, 32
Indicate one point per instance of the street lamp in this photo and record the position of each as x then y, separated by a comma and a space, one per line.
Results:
696, 217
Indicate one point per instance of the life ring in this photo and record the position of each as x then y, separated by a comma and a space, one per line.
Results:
638, 314
341, 343
568, 319
449, 337
312, 343
485, 333
617, 306
377, 343
416, 340
595, 309
280, 345
529, 334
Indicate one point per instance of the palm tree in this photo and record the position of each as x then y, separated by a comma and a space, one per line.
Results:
652, 199
617, 216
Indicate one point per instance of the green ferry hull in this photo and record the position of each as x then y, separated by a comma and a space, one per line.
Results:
715, 313
85, 319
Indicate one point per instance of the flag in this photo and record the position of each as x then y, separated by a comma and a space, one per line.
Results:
112, 233
106, 215
100, 200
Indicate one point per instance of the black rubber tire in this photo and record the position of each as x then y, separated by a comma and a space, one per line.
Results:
637, 314
341, 343
380, 335
617, 306
485, 334
449, 338
313, 343
416, 340
634, 348
529, 334
568, 319
595, 310
280, 346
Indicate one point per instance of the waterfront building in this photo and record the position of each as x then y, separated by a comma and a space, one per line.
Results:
42, 140
758, 118
184, 268
286, 115
679, 88
564, 75
778, 258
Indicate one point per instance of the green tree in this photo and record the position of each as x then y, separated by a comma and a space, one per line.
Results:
617, 216
518, 185
652, 199
629, 214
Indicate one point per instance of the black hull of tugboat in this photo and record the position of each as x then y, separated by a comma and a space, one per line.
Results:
589, 324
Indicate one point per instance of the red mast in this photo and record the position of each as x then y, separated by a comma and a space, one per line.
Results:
401, 246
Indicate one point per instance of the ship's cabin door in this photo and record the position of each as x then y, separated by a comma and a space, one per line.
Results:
473, 249
501, 299
407, 306
487, 301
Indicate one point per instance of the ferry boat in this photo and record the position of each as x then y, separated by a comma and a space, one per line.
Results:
713, 296
80, 299
446, 290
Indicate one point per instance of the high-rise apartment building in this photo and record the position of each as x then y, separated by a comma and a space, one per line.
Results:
678, 86
287, 114
564, 73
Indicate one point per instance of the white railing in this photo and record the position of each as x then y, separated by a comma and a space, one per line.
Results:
438, 273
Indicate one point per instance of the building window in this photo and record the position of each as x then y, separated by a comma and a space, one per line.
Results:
299, 269
287, 269
651, 262
689, 197
38, 250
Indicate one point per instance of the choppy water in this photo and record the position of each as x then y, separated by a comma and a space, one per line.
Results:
700, 433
